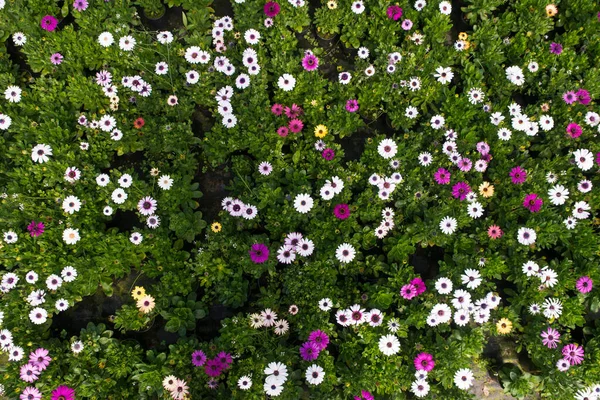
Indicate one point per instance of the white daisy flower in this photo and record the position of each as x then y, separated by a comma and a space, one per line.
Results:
71, 236
40, 153
389, 345
106, 39
448, 225
345, 253
165, 182
463, 378
303, 203
286, 82
315, 375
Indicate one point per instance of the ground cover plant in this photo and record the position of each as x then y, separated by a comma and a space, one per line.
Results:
289, 199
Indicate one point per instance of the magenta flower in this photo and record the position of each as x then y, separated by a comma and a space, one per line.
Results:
271, 9
198, 358
408, 291
584, 284
310, 62
282, 131
583, 96
419, 284
294, 112
341, 211
225, 359
277, 109
569, 97
319, 338
556, 48
550, 338
442, 176
483, 148
394, 12
461, 190
598, 158
40, 358
518, 175
80, 5
328, 154
35, 228
213, 367
63, 393
309, 351
259, 253
574, 130
424, 362
407, 24
56, 58
296, 125
352, 106
533, 202
465, 164
49, 23
366, 395
573, 353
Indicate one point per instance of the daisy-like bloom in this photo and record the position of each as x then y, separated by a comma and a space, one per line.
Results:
321, 131
526, 236
77, 347
71, 204
550, 338
460, 190
420, 387
374, 317
496, 118
358, 7
357, 315
180, 389
325, 304
108, 210
198, 358
256, 321
53, 282
558, 195
584, 159
224, 359
442, 176
273, 387
119, 196
15, 353
563, 365
304, 247
424, 362
13, 94
580, 210
448, 225
475, 209
462, 317
583, 96
35, 229
328, 154
309, 351
345, 253
295, 125
471, 278
425, 159
443, 285
592, 118
29, 373
504, 134
394, 12
586, 394
80, 5
407, 24
556, 48
281, 327
584, 284
315, 374
504, 326
30, 393
441, 313
145, 304
548, 277
573, 130
165, 182
463, 378
530, 268
9, 281
341, 211
389, 345
19, 38
71, 236
61, 304
49, 23
265, 168
164, 37
38, 315
106, 39
127, 43
136, 238
408, 291
277, 370
244, 382
533, 202
303, 203
271, 9
387, 148
535, 309
286, 82
573, 353
352, 105
518, 175
552, 308
569, 97
486, 189
461, 299
437, 122
147, 206
259, 253
310, 62
40, 153
268, 317
584, 186
5, 122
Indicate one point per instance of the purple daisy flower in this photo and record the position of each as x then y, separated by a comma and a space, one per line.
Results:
461, 190
584, 284
49, 23
352, 105
407, 24
319, 338
56, 58
328, 154
424, 362
419, 284
518, 175
198, 358
550, 338
442, 176
309, 351
394, 12
35, 228
341, 211
574, 130
225, 359
80, 5
573, 353
408, 291
271, 9
556, 48
310, 62
583, 96
569, 97
533, 202
259, 253
213, 367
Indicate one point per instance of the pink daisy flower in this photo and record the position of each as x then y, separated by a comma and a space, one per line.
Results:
550, 338
518, 175
296, 125
584, 284
310, 62
424, 362
533, 202
442, 176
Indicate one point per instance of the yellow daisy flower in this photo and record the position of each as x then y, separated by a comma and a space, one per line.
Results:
551, 10
138, 292
504, 326
486, 189
321, 131
463, 36
216, 227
